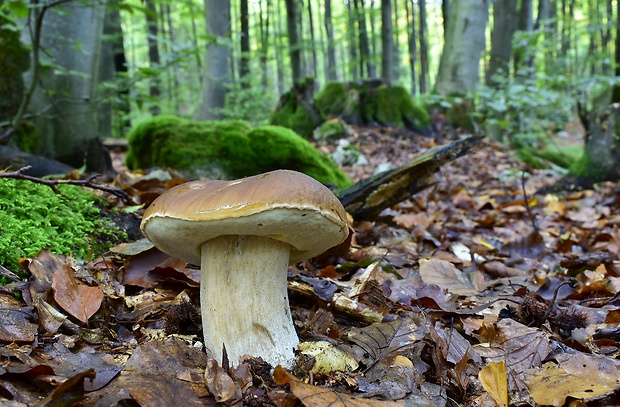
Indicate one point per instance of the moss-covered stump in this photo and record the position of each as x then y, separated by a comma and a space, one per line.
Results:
372, 102
34, 217
393, 106
226, 150
296, 109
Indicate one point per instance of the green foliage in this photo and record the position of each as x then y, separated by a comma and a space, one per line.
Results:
330, 130
226, 149
251, 103
34, 217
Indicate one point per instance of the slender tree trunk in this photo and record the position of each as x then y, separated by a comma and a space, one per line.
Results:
397, 49
615, 97
216, 60
411, 43
315, 70
365, 57
332, 75
280, 50
199, 68
154, 59
352, 41
445, 13
387, 44
293, 39
264, 41
504, 27
323, 44
424, 71
373, 28
244, 65
460, 59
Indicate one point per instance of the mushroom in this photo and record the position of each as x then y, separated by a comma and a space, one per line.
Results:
244, 234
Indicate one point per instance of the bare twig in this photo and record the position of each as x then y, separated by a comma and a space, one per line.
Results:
19, 174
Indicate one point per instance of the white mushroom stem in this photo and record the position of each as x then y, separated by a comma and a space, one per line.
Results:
244, 299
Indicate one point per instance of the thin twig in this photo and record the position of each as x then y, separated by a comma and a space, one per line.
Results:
19, 174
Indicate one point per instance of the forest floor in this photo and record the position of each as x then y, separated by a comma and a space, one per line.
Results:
470, 293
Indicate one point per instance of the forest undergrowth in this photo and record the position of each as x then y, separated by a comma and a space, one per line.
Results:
477, 291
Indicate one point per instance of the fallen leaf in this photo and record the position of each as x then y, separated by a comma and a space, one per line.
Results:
445, 275
76, 298
578, 376
493, 379
220, 384
315, 396
371, 343
328, 358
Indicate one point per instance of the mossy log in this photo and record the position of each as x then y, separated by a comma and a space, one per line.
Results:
366, 199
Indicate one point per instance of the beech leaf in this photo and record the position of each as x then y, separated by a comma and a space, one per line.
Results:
76, 298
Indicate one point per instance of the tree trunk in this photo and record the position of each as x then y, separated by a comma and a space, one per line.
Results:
293, 39
244, 65
264, 41
332, 75
69, 99
423, 47
445, 13
352, 41
154, 59
396, 40
315, 70
504, 26
365, 57
199, 68
411, 43
279, 50
387, 43
216, 60
459, 65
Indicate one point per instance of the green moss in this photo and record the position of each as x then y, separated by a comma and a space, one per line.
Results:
586, 169
562, 156
34, 217
331, 101
394, 106
294, 116
278, 147
330, 130
226, 149
175, 142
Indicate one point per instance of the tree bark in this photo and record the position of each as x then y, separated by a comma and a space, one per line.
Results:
332, 75
411, 43
459, 65
154, 59
352, 41
216, 61
244, 65
365, 57
396, 43
423, 46
264, 41
293, 39
315, 70
68, 100
387, 41
504, 27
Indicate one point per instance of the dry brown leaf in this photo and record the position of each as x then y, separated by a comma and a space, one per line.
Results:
445, 275
519, 346
371, 343
314, 396
76, 298
494, 381
578, 376
220, 384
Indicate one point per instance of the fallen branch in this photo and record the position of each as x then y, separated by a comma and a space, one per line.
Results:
19, 174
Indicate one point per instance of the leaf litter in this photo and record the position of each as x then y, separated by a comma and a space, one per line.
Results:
469, 293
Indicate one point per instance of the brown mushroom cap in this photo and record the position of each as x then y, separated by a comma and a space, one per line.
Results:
284, 205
